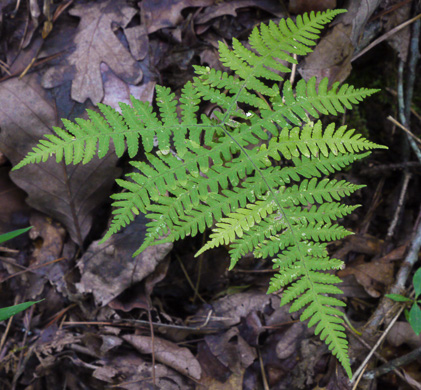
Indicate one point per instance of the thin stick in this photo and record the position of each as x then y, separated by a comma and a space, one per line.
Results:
293, 71
189, 281
31, 269
359, 378
379, 341
152, 347
262, 370
394, 364
401, 202
385, 36
407, 131
378, 356
9, 323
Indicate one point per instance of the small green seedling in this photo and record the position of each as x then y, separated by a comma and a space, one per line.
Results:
10, 311
414, 314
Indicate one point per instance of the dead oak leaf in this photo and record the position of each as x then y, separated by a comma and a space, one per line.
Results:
96, 43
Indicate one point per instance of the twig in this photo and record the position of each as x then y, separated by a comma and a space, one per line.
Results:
413, 112
359, 378
293, 71
414, 56
9, 323
32, 269
20, 367
406, 267
384, 168
189, 281
378, 356
394, 364
199, 274
152, 347
262, 370
407, 131
401, 202
379, 341
385, 36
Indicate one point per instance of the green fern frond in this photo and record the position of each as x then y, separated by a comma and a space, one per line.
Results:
256, 173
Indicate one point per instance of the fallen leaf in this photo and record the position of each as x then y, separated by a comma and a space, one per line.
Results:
96, 43
332, 56
231, 349
360, 243
375, 276
108, 268
157, 14
138, 40
230, 8
400, 40
14, 213
402, 333
69, 194
287, 345
229, 310
117, 91
137, 373
168, 353
301, 6
49, 248
213, 369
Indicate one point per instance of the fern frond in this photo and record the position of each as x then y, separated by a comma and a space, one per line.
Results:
256, 172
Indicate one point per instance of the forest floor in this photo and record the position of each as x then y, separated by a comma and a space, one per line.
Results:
165, 319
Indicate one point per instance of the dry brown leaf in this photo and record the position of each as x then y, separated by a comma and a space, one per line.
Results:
138, 40
374, 276
137, 374
157, 14
108, 269
301, 6
332, 56
14, 212
287, 345
230, 8
95, 43
231, 349
400, 40
117, 91
229, 310
168, 353
402, 333
69, 194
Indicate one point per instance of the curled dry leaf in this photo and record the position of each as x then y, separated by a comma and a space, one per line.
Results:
168, 353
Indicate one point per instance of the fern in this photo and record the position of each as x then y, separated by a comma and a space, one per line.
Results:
255, 173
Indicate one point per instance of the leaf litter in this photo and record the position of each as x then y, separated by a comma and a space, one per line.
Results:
161, 318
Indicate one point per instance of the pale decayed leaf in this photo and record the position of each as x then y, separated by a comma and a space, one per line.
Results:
95, 43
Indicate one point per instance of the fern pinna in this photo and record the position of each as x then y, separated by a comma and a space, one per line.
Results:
255, 172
